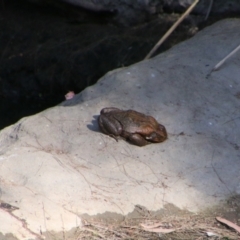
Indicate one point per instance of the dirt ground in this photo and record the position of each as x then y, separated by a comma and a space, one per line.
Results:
48, 50
139, 223
143, 224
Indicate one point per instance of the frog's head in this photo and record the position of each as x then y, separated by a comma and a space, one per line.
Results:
159, 135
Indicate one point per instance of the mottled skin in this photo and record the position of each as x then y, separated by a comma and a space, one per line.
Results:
135, 127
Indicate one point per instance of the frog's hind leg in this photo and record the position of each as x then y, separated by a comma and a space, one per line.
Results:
111, 128
137, 139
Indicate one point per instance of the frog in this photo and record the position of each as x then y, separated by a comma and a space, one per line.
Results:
135, 127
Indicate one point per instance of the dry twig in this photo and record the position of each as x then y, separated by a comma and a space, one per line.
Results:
228, 223
94, 232
157, 228
209, 9
228, 56
174, 26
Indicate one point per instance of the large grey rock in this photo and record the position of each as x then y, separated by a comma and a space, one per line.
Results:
56, 166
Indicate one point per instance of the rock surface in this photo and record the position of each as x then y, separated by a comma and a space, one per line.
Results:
56, 166
132, 11
217, 7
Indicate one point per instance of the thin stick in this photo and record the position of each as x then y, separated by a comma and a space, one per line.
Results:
228, 223
93, 231
174, 26
209, 9
228, 56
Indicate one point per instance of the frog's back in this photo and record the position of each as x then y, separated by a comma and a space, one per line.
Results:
134, 122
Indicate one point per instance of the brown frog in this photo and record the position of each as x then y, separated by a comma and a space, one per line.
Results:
133, 126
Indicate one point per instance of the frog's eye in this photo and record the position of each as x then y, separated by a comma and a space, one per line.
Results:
156, 137
153, 136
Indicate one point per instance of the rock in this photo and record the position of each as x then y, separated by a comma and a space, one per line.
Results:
126, 12
56, 166
133, 12
218, 7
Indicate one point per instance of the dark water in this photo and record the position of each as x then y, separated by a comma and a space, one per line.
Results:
49, 50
